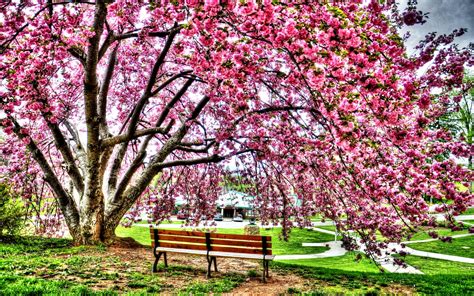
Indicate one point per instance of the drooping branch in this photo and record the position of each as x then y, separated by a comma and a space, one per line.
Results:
187, 162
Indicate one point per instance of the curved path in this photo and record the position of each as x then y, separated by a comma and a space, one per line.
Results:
386, 261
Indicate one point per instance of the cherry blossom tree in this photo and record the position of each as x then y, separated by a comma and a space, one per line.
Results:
119, 105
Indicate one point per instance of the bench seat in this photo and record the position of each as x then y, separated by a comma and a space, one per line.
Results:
217, 254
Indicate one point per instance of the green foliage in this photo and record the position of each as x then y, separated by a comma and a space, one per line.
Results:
459, 116
252, 273
12, 213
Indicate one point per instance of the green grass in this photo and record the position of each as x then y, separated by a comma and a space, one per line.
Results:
469, 211
213, 286
40, 266
432, 266
34, 266
346, 262
462, 246
332, 281
292, 246
422, 235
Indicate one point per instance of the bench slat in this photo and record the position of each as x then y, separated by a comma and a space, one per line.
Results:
239, 236
217, 254
179, 232
213, 235
189, 239
255, 244
181, 246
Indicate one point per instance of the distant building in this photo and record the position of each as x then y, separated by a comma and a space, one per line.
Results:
233, 203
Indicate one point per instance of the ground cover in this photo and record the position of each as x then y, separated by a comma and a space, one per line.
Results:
34, 266
462, 246
469, 211
432, 266
422, 234
335, 281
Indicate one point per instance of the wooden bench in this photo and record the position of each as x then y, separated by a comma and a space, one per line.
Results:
211, 245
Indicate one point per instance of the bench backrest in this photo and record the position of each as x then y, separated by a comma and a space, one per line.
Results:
220, 242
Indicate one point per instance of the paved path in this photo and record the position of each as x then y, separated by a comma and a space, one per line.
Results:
386, 261
435, 239
335, 250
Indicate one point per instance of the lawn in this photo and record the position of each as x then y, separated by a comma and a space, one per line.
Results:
432, 266
347, 262
462, 246
292, 246
423, 234
37, 266
334, 281
469, 211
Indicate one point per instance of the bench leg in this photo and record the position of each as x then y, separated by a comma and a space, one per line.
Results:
157, 258
268, 273
215, 263
264, 272
166, 260
209, 263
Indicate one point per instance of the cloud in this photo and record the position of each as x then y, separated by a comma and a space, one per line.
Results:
444, 17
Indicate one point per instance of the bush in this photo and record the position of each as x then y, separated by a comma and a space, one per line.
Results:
12, 213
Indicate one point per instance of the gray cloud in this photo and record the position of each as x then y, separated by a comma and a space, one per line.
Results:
444, 17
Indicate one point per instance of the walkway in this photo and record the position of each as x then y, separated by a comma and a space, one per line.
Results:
386, 261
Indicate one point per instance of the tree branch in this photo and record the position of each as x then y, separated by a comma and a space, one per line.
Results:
135, 34
139, 133
66, 202
104, 90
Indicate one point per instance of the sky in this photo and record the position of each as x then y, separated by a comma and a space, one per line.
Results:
444, 16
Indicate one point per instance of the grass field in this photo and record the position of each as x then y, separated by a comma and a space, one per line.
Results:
432, 266
462, 246
36, 266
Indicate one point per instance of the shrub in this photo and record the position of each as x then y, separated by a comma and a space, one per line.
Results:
12, 213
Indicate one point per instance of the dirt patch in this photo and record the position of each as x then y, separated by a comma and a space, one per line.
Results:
277, 284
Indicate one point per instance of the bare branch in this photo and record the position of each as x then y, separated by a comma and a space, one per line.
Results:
134, 34
139, 133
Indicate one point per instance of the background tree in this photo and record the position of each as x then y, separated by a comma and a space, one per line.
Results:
459, 115
317, 100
